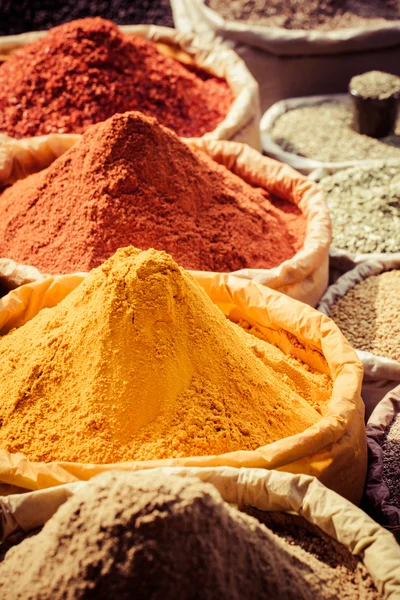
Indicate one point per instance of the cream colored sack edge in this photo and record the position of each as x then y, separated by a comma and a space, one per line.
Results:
305, 275
264, 490
280, 41
243, 119
334, 449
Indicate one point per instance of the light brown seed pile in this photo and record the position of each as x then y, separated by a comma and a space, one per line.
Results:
324, 132
369, 314
375, 84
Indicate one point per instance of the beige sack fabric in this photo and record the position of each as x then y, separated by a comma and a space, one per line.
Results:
334, 449
381, 374
242, 121
288, 63
305, 276
264, 490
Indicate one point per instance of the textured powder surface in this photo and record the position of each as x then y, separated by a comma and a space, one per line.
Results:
138, 363
18, 16
324, 132
391, 461
131, 181
128, 534
310, 14
87, 70
368, 315
364, 203
344, 574
375, 84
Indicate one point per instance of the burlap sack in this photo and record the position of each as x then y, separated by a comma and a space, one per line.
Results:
242, 121
334, 449
264, 490
305, 276
315, 168
289, 63
381, 374
377, 495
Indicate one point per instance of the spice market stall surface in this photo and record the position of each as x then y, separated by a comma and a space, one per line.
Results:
364, 302
288, 61
323, 529
381, 495
333, 448
264, 200
241, 122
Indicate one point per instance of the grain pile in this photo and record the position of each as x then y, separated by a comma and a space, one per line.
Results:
138, 363
313, 14
324, 132
375, 84
87, 70
127, 534
131, 181
368, 315
391, 461
364, 203
18, 16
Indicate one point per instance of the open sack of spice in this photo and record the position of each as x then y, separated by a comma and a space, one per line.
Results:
364, 203
85, 71
290, 46
365, 304
140, 364
215, 206
382, 488
155, 532
316, 133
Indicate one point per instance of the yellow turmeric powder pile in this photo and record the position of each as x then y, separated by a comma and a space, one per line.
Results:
138, 363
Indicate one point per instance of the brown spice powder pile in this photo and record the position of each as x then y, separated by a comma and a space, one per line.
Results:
85, 71
136, 535
138, 363
130, 181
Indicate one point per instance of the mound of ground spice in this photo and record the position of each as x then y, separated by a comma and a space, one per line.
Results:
138, 363
132, 181
87, 70
159, 537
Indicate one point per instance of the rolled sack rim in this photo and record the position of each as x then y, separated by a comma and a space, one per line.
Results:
375, 366
220, 61
261, 306
291, 42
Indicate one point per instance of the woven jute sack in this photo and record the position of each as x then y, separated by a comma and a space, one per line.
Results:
305, 275
334, 449
257, 488
381, 374
289, 63
242, 121
377, 495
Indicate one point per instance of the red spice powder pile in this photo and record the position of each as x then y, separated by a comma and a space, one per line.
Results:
130, 181
87, 70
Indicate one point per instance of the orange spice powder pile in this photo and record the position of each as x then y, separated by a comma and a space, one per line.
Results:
138, 363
